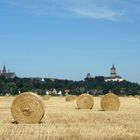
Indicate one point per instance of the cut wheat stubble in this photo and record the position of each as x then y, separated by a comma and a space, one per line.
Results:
46, 97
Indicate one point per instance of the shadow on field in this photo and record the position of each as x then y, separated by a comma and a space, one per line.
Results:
15, 122
77, 108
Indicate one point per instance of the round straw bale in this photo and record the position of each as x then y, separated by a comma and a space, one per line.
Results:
130, 96
136, 96
85, 101
69, 98
75, 97
110, 102
28, 108
46, 97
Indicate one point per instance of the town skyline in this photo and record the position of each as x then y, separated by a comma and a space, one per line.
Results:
92, 74
113, 75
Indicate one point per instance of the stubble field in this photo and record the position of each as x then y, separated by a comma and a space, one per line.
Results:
63, 121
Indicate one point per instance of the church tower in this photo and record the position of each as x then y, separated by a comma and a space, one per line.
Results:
113, 72
89, 76
4, 69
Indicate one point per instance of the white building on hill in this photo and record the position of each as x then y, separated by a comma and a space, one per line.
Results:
113, 76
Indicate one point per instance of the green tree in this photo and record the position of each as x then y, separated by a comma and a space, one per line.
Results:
11, 88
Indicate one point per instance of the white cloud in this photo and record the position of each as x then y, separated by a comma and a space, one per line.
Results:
94, 9
99, 13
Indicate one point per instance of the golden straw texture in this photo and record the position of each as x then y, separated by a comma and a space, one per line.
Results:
70, 98
46, 97
28, 108
85, 101
110, 102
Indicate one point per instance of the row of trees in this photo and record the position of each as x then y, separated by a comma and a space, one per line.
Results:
93, 86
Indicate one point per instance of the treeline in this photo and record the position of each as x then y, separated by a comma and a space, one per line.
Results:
94, 86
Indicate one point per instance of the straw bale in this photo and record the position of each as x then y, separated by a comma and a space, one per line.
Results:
85, 101
130, 96
110, 102
28, 108
75, 96
69, 98
136, 96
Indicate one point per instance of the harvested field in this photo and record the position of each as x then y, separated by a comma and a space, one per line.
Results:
62, 121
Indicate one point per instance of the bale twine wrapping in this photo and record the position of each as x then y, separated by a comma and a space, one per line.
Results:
69, 98
110, 102
28, 108
85, 101
46, 97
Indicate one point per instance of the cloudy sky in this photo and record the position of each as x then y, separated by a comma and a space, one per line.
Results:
68, 38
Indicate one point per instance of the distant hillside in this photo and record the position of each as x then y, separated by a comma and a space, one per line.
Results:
95, 86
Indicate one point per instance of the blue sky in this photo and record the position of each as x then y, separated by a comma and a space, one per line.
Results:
67, 39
